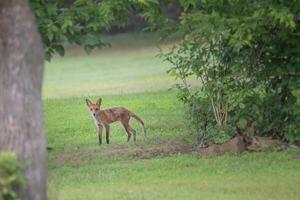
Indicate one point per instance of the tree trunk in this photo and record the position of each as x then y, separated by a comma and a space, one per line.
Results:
21, 117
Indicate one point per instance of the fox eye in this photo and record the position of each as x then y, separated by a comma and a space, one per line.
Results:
97, 109
91, 109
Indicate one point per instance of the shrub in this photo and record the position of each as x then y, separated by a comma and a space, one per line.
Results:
11, 176
245, 55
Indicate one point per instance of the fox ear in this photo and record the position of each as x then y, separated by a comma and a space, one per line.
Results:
88, 102
99, 101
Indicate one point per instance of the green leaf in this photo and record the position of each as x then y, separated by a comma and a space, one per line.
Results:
60, 50
242, 123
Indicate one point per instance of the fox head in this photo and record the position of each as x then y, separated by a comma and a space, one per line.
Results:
94, 108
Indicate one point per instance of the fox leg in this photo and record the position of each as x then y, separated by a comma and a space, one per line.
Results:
100, 128
107, 133
127, 129
133, 132
130, 131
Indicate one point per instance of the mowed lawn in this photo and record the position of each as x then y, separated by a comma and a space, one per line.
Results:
166, 167
130, 65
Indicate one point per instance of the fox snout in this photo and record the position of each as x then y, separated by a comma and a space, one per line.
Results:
94, 108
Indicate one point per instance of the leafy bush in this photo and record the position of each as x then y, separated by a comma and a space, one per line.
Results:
245, 55
11, 176
209, 61
198, 117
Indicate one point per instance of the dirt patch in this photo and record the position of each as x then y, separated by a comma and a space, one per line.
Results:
163, 150
146, 151
297, 157
297, 143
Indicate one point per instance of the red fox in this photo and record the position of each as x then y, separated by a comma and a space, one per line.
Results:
105, 117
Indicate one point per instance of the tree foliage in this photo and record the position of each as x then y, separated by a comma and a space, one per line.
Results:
81, 22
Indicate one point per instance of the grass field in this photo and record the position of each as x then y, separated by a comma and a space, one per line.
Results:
166, 167
126, 67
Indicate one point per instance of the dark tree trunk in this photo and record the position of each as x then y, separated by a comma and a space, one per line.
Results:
21, 70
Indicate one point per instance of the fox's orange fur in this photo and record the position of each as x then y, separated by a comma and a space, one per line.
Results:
105, 117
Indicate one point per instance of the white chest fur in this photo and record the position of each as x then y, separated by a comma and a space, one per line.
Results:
96, 121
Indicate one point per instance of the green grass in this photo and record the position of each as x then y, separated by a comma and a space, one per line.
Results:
249, 176
130, 74
70, 125
121, 69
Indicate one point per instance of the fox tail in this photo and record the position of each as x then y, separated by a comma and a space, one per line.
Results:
142, 125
